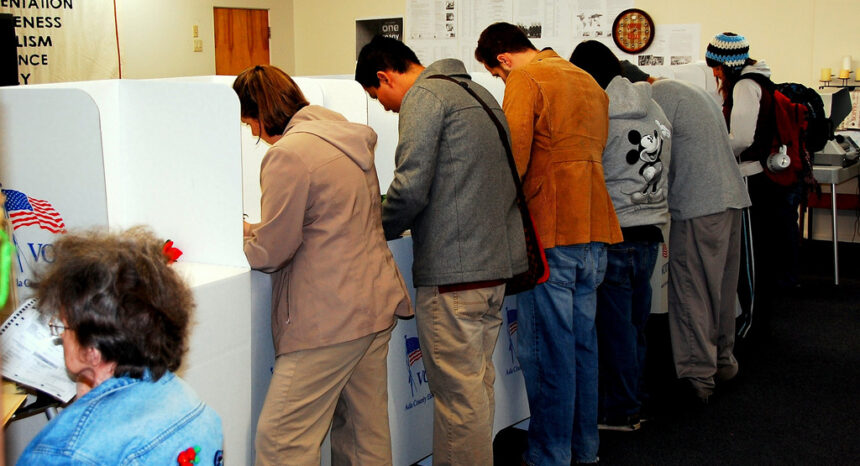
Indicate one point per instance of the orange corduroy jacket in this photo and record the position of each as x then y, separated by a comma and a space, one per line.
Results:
559, 121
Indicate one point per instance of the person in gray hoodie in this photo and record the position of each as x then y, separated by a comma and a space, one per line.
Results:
636, 167
335, 285
454, 189
706, 195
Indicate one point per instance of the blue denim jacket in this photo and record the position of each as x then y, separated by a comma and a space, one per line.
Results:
130, 421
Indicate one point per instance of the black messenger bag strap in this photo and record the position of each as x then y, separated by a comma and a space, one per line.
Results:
503, 135
538, 271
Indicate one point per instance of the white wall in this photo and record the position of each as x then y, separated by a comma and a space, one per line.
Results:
796, 37
156, 40
317, 37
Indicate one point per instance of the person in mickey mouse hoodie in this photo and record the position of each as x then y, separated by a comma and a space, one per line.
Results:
636, 164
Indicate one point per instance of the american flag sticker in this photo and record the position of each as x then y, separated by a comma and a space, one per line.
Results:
413, 350
512, 321
24, 211
413, 355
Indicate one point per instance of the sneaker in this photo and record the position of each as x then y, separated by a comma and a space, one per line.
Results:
628, 424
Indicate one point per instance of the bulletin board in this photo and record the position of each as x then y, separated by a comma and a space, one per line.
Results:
450, 29
64, 40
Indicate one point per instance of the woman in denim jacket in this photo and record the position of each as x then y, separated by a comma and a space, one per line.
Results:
123, 317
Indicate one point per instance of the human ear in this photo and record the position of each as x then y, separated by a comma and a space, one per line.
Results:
383, 78
92, 356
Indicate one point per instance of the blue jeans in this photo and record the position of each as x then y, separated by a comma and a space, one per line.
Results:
558, 355
623, 306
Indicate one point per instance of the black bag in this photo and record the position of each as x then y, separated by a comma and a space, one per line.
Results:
793, 119
819, 128
538, 271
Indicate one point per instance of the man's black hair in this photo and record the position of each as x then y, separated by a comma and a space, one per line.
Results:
499, 38
597, 60
382, 54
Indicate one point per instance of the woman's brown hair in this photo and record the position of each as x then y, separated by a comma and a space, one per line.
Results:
727, 85
268, 94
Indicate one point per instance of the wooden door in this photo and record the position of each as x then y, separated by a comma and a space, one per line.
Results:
241, 39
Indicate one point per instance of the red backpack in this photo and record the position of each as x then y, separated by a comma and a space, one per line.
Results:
781, 122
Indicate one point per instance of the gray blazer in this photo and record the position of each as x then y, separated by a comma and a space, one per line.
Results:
452, 184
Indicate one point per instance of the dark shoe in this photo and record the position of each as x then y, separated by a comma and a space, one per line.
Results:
702, 394
626, 424
726, 373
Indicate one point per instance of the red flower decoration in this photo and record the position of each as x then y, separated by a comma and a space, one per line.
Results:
170, 252
188, 456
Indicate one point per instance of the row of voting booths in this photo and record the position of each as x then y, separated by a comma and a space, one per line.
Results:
173, 155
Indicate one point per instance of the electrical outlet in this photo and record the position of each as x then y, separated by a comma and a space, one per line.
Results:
194, 31
198, 45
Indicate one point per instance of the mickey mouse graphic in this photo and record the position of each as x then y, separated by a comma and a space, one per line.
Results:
648, 150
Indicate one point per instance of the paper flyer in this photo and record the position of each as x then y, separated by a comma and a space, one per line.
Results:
31, 356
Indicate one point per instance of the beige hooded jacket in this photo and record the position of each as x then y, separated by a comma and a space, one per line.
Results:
333, 277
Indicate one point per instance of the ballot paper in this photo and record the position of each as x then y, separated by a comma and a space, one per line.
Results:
31, 356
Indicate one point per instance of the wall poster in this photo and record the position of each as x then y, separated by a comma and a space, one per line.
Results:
365, 29
437, 29
64, 40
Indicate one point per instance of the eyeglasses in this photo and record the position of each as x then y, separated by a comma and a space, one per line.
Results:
56, 329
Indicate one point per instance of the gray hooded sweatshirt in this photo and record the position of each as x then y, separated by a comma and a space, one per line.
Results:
452, 184
636, 158
705, 178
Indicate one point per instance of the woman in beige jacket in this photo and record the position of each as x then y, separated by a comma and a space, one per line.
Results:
335, 286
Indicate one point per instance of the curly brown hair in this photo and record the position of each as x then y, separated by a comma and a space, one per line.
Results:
118, 294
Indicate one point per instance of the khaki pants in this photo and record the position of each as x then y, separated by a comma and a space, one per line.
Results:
704, 261
457, 332
343, 386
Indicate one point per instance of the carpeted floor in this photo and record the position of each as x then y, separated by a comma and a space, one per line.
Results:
796, 399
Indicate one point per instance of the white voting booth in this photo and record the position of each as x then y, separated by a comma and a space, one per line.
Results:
121, 153
172, 154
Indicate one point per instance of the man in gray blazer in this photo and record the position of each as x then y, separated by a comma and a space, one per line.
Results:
454, 189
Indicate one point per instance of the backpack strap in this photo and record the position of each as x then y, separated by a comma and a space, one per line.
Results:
538, 271
503, 135
760, 79
765, 128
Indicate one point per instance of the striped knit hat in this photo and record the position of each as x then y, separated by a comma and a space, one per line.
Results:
728, 49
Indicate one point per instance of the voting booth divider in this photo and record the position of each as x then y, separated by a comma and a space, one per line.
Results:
173, 155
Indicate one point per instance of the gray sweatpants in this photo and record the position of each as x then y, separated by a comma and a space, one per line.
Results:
704, 260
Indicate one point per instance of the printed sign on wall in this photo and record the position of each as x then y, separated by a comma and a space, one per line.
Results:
365, 29
64, 40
